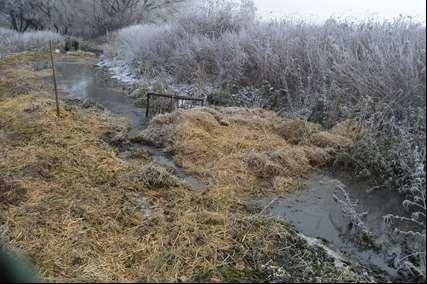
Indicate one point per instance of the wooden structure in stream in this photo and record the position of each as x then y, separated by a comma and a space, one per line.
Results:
161, 103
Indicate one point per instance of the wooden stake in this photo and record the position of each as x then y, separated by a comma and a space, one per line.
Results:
147, 111
54, 79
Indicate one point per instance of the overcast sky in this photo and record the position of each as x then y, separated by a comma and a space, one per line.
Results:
321, 9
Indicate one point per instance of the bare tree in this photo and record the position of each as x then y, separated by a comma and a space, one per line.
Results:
110, 15
88, 18
22, 14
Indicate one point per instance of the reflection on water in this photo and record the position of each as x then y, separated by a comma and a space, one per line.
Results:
82, 79
315, 213
86, 81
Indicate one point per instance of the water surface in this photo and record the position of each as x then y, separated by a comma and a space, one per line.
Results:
84, 80
315, 213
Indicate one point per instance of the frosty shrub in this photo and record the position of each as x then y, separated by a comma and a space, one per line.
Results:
359, 230
186, 47
221, 44
11, 41
413, 258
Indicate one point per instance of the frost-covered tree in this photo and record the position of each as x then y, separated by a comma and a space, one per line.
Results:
12, 41
27, 14
89, 18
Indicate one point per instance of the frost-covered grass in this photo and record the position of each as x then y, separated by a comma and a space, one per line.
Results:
299, 62
12, 41
171, 49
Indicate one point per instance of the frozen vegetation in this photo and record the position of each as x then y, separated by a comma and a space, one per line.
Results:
12, 41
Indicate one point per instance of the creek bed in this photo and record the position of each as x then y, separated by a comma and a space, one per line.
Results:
315, 213
84, 80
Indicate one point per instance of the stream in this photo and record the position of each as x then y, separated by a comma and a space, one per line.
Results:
312, 211
85, 80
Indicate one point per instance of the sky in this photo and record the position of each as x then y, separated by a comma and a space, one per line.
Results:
318, 10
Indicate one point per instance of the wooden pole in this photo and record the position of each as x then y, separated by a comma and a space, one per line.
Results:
147, 112
54, 79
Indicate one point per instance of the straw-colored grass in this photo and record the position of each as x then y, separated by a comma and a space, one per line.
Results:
243, 148
83, 214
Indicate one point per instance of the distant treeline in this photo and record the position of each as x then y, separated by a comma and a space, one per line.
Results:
84, 18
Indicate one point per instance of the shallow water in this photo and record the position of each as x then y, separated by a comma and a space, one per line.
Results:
82, 79
315, 213
164, 160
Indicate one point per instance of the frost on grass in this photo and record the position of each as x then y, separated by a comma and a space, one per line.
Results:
413, 257
361, 234
12, 41
283, 64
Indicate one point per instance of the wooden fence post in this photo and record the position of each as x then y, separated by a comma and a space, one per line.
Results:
147, 112
54, 79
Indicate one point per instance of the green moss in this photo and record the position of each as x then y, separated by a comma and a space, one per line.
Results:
367, 241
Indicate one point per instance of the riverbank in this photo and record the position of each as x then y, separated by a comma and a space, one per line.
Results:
83, 212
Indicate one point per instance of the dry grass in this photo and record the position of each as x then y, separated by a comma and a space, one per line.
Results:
17, 76
81, 53
154, 177
297, 131
244, 148
70, 204
351, 129
71, 218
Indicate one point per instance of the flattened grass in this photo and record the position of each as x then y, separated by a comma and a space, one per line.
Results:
243, 148
75, 214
